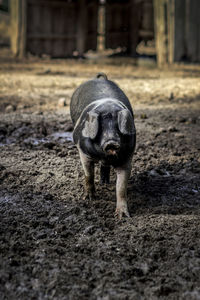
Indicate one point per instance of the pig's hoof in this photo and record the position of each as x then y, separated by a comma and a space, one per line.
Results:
120, 211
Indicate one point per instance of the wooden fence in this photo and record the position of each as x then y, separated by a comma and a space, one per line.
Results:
61, 27
56, 28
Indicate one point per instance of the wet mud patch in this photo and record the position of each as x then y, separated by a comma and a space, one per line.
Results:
55, 245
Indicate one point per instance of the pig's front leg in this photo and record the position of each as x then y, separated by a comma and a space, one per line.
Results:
123, 174
88, 167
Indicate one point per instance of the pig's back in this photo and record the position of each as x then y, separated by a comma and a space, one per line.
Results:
93, 90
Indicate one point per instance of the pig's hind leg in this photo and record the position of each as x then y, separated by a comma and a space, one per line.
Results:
104, 174
88, 167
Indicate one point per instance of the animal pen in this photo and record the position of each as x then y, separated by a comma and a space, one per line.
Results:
62, 28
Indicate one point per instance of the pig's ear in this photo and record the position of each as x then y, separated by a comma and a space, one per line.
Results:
91, 125
126, 122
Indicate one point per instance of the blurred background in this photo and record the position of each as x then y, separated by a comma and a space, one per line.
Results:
168, 30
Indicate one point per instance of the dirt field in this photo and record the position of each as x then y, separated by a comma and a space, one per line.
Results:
55, 245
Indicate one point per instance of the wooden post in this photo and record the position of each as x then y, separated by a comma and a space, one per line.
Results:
135, 11
170, 37
81, 27
160, 24
18, 27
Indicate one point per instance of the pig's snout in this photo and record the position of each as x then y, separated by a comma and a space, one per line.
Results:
111, 147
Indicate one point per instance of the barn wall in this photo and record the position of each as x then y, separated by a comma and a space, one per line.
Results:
127, 23
50, 27
54, 27
192, 30
60, 27
117, 24
92, 25
4, 28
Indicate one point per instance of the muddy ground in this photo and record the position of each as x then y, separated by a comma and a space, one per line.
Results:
55, 245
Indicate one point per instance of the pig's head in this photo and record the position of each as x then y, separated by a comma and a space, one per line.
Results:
110, 127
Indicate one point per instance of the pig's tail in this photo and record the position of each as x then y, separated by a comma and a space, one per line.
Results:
101, 74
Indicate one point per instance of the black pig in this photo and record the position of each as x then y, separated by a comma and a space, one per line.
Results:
104, 131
